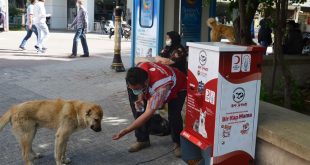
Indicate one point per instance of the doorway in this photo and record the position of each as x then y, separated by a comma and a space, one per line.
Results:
71, 11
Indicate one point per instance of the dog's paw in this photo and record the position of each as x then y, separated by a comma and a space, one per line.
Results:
66, 161
38, 156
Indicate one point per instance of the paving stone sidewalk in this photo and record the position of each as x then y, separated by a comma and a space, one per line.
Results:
29, 77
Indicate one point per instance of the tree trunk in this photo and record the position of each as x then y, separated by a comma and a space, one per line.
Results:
236, 24
274, 71
242, 24
281, 8
242, 13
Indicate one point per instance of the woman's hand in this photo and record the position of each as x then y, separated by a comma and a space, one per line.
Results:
158, 59
120, 134
163, 60
167, 61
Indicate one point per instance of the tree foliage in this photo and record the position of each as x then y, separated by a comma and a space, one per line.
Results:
278, 10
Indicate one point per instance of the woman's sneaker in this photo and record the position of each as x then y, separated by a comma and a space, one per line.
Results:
40, 50
36, 47
22, 48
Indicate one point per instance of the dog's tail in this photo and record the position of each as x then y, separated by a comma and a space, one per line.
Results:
5, 119
211, 22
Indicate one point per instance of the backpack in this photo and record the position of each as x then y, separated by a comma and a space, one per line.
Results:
159, 126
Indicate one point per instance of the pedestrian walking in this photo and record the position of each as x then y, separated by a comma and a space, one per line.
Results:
40, 23
264, 32
81, 24
2, 20
112, 25
30, 27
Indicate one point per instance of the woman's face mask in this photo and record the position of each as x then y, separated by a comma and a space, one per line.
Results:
168, 42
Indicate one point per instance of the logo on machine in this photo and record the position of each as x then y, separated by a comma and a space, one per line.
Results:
241, 62
201, 86
210, 96
236, 63
202, 70
245, 129
226, 130
202, 57
246, 63
238, 94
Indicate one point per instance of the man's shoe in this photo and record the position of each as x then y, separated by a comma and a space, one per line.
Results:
177, 151
72, 56
137, 146
85, 55
36, 47
40, 51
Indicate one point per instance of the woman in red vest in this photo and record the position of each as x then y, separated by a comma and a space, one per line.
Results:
158, 84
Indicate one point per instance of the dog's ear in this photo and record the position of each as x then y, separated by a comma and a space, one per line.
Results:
88, 112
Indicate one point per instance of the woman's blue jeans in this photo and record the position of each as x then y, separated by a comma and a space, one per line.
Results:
29, 34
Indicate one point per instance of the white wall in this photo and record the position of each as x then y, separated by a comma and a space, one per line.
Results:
169, 17
90, 6
4, 7
129, 5
58, 10
204, 28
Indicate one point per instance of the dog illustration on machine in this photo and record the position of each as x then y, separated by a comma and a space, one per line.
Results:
200, 125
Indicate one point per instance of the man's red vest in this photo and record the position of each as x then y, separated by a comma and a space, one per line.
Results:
161, 75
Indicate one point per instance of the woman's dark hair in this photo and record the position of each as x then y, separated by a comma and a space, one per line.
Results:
32, 1
175, 38
136, 76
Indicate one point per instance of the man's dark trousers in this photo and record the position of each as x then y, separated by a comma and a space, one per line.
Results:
174, 116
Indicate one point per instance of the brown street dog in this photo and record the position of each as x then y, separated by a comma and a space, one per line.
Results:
66, 117
218, 31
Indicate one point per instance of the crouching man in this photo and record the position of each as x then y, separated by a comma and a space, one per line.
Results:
158, 84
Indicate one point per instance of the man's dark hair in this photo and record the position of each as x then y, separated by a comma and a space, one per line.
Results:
136, 76
32, 1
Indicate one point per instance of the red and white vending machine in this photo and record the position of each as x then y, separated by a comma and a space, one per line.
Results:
222, 103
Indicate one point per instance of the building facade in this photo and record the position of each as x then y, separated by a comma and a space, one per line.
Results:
63, 11
4, 9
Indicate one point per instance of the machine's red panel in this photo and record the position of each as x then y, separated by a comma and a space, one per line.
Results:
201, 97
222, 100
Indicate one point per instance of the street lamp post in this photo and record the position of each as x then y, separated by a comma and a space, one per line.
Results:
117, 63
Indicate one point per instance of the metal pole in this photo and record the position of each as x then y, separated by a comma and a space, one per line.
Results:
117, 63
212, 13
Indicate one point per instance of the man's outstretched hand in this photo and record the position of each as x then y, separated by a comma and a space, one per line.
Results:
120, 134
